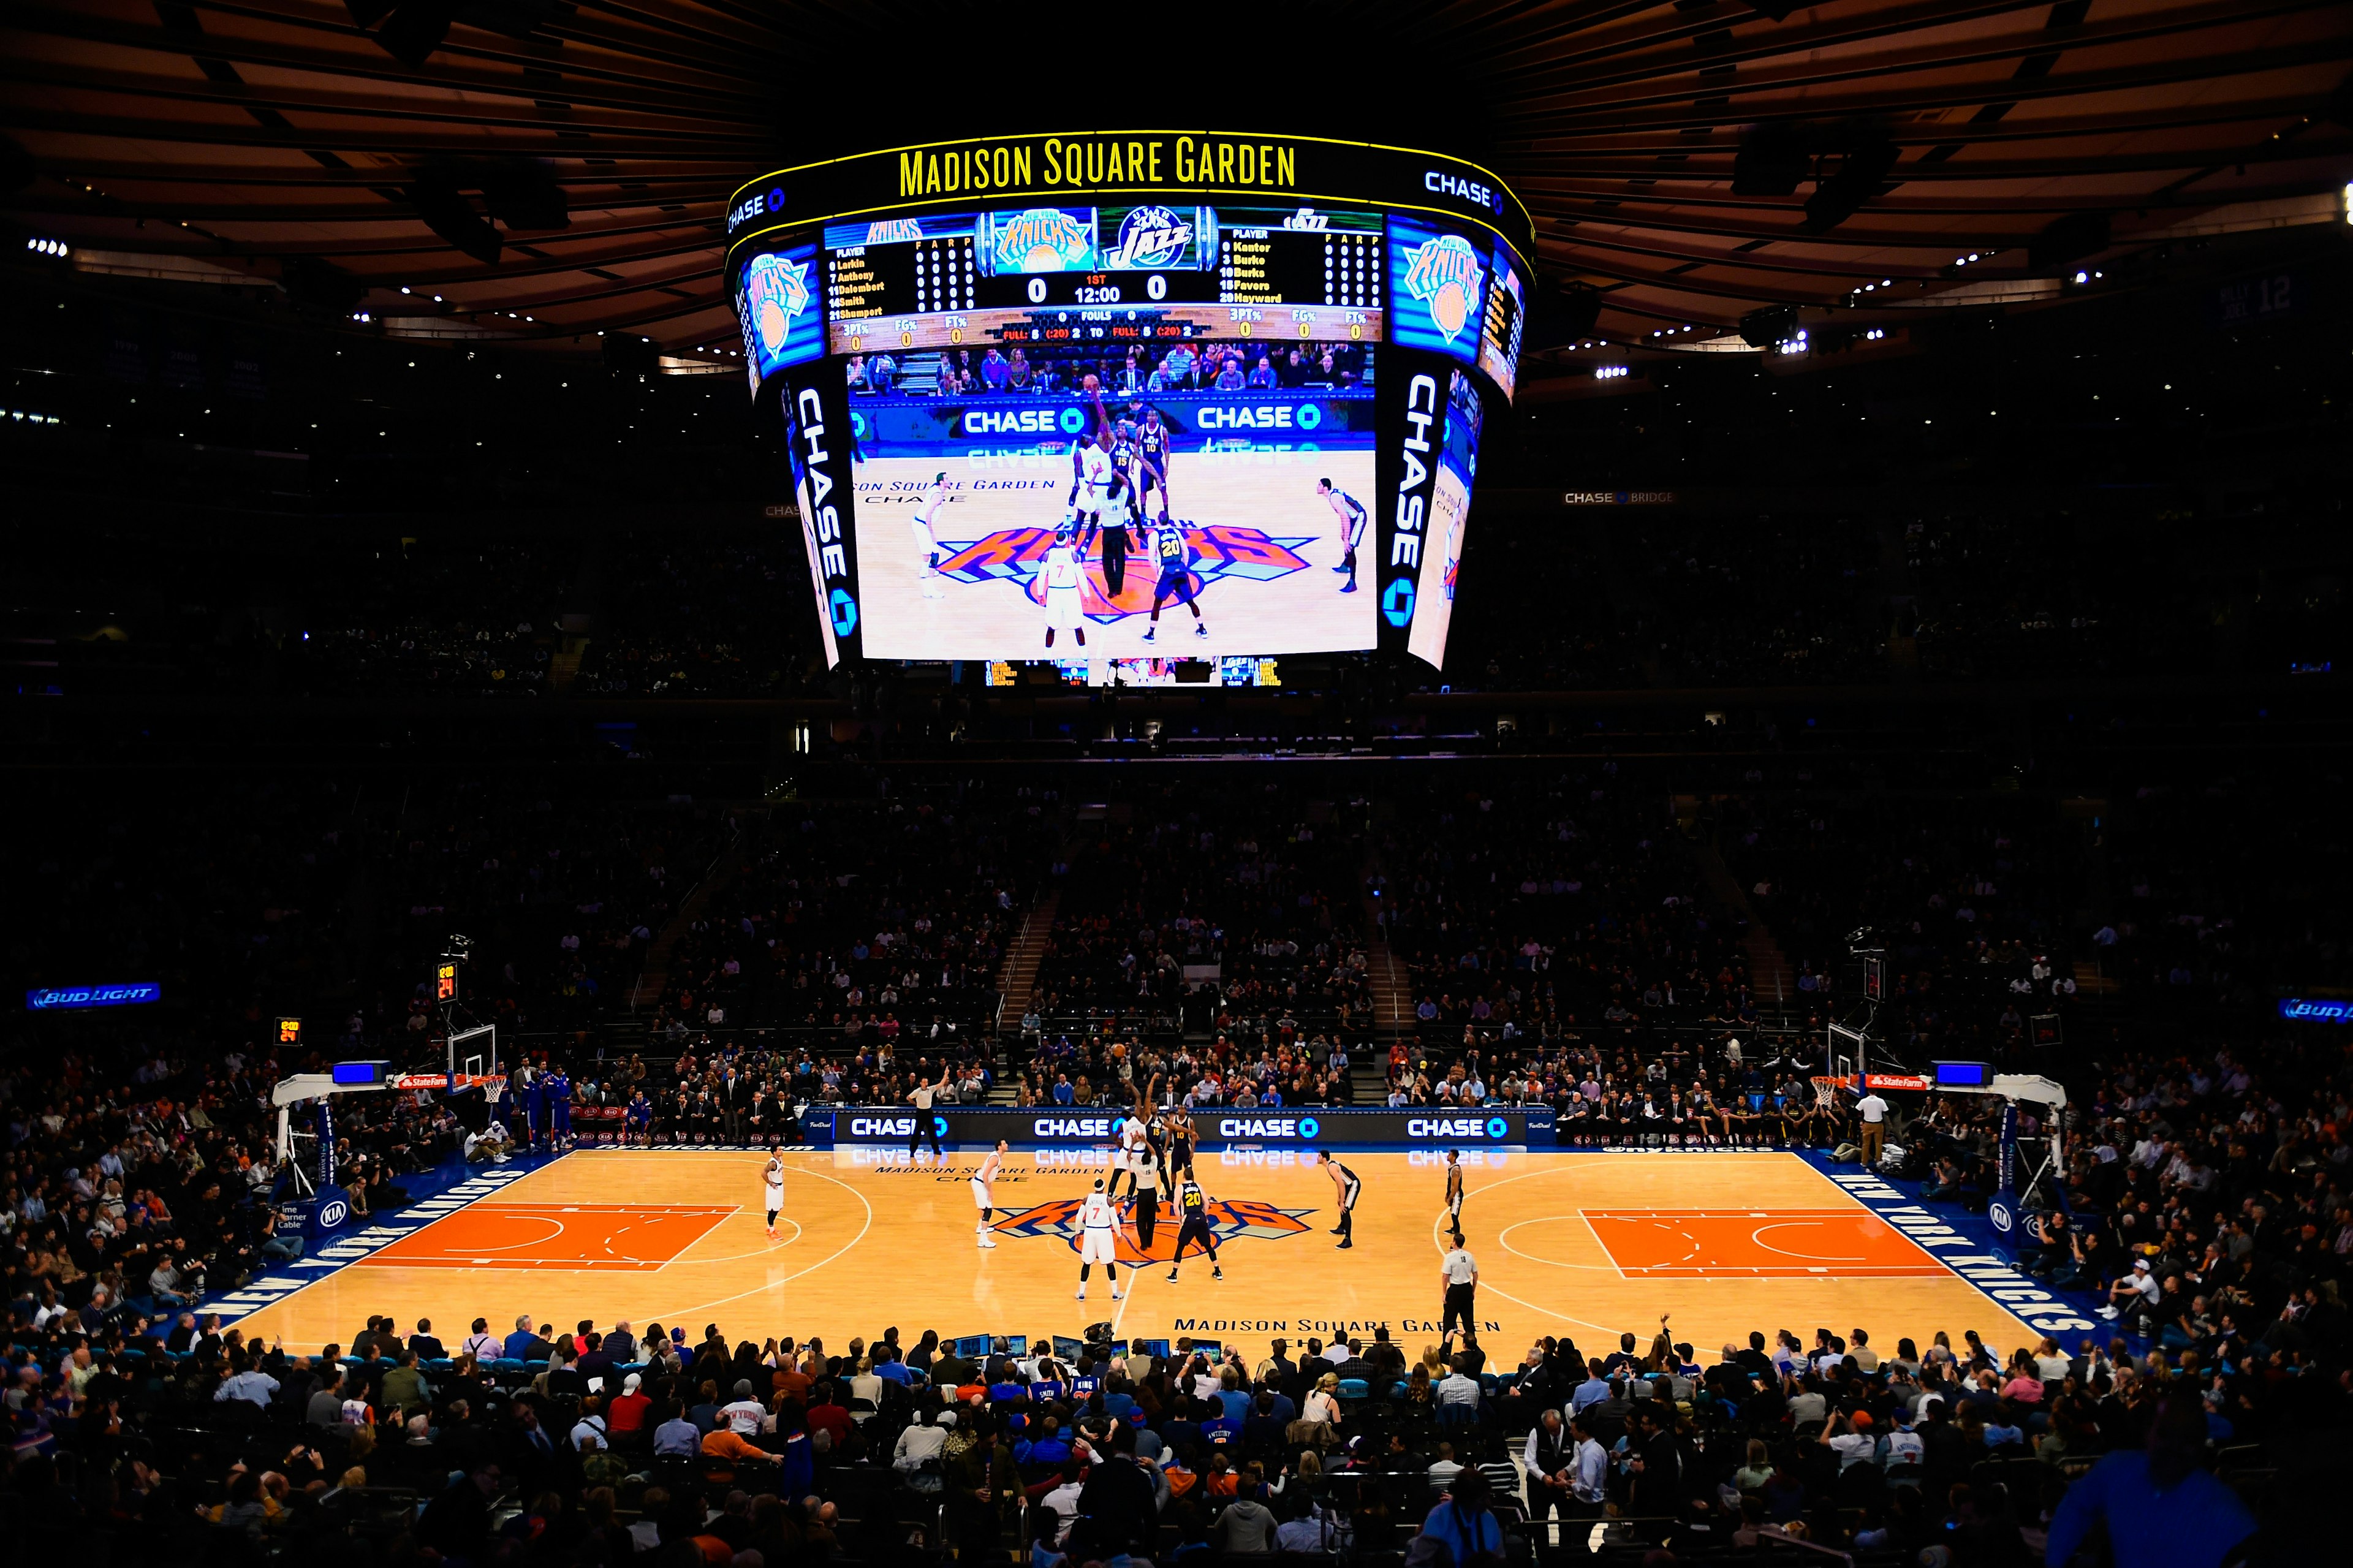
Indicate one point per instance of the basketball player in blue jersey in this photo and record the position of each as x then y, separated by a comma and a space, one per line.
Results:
1168, 547
534, 1104
1152, 462
559, 1109
1352, 515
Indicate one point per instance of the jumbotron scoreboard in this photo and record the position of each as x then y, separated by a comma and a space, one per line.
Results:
1132, 395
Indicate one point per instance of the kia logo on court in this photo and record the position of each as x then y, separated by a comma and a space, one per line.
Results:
1268, 1127
332, 1213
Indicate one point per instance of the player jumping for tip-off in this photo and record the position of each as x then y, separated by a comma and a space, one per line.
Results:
1169, 546
927, 534
1352, 515
1098, 1238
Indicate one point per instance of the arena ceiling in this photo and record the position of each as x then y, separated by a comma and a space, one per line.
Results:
543, 170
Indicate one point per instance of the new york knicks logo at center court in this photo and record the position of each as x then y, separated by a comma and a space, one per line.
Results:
1232, 1219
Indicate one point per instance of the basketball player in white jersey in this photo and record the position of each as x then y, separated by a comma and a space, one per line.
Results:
1352, 514
1060, 572
1134, 1153
983, 1191
1098, 1238
927, 535
774, 1179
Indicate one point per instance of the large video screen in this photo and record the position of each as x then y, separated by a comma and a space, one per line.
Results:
1132, 396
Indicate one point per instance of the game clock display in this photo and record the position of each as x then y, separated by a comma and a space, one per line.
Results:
1132, 396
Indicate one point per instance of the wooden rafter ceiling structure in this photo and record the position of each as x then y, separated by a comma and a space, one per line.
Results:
1690, 160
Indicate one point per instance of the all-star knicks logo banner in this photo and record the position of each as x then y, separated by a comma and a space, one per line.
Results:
1232, 1219
1445, 274
1220, 550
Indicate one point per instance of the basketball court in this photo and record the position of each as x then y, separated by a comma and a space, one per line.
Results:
1588, 1246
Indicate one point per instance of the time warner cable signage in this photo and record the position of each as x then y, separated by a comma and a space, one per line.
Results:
73, 998
1032, 1127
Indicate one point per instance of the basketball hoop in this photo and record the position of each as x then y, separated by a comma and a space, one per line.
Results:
1826, 1091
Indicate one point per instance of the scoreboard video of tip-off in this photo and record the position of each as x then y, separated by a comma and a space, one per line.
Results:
1132, 395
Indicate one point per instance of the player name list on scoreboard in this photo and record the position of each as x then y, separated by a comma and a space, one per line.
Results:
908, 278
1300, 267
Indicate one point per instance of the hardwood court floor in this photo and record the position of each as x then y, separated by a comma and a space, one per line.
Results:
1583, 1245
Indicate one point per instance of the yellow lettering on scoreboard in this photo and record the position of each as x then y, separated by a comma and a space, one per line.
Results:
1081, 163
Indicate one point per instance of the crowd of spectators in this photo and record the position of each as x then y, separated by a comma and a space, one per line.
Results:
1060, 370
876, 921
1521, 912
604, 1445
1215, 911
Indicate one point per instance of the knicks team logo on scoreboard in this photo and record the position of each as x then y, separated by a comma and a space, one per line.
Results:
1150, 238
1042, 240
775, 293
1219, 551
1444, 273
891, 230
1231, 1219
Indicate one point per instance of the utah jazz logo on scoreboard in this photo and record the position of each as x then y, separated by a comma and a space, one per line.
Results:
1150, 238
1041, 240
1443, 272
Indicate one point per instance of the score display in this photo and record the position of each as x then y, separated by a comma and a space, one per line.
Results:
1137, 274
1160, 396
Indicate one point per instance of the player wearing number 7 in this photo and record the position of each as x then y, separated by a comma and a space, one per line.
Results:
1352, 516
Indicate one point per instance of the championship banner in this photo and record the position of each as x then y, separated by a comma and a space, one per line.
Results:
816, 406
1311, 1128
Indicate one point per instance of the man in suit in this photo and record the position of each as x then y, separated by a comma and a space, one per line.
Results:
423, 1343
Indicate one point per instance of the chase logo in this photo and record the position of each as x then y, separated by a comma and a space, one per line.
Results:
845, 613
1071, 1127
754, 206
1457, 1126
1396, 603
893, 1126
1470, 191
1150, 237
1015, 421
1268, 1127
1262, 416
1042, 240
1444, 273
